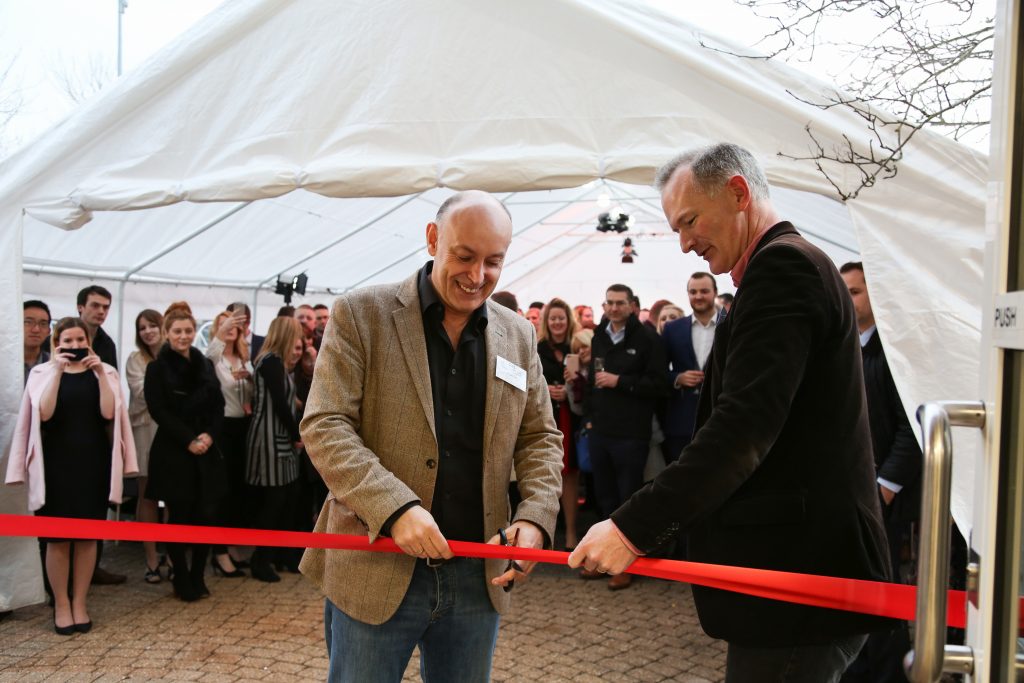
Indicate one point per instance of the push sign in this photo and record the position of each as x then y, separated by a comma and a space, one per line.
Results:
1007, 320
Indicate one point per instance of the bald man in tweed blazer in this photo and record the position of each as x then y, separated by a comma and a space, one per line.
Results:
369, 428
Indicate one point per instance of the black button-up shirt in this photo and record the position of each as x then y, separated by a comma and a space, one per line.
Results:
458, 383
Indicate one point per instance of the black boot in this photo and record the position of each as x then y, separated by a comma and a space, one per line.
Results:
182, 580
197, 572
259, 567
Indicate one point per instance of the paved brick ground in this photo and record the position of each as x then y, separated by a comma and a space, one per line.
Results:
561, 629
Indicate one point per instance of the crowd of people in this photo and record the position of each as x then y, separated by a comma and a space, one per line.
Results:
208, 438
623, 389
727, 409
213, 439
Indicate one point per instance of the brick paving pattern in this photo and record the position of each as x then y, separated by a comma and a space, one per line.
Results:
560, 629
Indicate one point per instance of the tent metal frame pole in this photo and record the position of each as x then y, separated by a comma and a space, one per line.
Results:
330, 245
583, 240
120, 306
812, 233
187, 238
117, 277
412, 253
252, 321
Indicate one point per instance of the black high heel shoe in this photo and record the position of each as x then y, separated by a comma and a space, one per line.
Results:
220, 571
63, 630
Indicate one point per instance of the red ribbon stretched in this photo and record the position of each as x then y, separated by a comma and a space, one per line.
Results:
868, 597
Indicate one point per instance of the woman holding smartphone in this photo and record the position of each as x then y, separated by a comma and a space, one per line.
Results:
557, 327
230, 356
274, 442
149, 337
186, 468
61, 448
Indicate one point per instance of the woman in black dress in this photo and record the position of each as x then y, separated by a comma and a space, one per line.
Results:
186, 468
75, 408
557, 327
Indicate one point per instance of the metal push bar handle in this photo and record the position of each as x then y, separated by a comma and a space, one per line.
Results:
931, 656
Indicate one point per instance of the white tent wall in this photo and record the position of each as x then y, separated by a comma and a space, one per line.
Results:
21, 582
384, 99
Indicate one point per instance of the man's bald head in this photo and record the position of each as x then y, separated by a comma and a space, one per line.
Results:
468, 240
464, 197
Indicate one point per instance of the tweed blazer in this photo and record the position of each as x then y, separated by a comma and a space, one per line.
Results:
369, 430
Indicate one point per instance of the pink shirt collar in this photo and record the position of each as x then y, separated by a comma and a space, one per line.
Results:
741, 266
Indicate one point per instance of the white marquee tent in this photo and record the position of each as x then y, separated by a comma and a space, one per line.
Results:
278, 137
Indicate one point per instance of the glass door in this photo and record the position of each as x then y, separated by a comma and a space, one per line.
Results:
996, 582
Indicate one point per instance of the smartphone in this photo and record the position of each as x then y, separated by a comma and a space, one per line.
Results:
572, 364
77, 355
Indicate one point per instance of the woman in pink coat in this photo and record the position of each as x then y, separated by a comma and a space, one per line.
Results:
72, 462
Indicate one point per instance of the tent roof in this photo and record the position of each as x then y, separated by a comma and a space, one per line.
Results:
316, 108
343, 243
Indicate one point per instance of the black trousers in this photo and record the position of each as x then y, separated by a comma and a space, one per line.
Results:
276, 511
232, 508
618, 465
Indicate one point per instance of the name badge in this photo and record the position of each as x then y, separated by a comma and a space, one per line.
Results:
511, 373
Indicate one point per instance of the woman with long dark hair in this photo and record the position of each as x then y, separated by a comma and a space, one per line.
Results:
274, 442
73, 465
149, 337
186, 468
557, 327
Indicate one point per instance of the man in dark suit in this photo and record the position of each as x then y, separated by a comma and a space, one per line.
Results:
779, 474
687, 346
93, 306
898, 461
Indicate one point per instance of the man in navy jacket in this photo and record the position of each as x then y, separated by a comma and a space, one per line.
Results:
779, 474
687, 344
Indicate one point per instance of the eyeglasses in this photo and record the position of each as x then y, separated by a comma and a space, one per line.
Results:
616, 303
41, 324
512, 564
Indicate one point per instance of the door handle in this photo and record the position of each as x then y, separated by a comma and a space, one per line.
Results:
931, 655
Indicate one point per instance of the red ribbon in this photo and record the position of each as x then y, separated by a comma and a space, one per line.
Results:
869, 597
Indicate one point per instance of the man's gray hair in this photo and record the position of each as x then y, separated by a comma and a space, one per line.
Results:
712, 167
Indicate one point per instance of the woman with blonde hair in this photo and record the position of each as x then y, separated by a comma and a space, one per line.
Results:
149, 337
667, 314
272, 464
557, 327
230, 356
186, 468
72, 464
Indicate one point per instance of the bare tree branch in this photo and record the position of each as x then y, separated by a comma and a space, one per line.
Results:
81, 79
925, 64
11, 103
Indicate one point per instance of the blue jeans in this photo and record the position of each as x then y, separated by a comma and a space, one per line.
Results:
796, 664
446, 611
